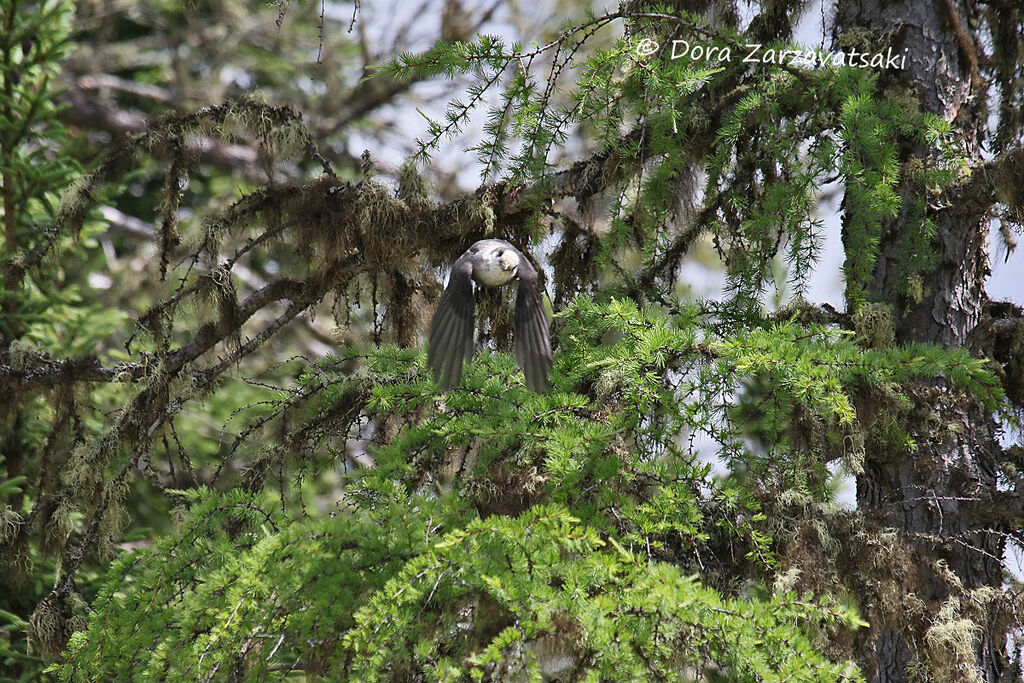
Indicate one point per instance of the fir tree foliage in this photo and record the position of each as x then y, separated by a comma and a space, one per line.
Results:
571, 522
40, 311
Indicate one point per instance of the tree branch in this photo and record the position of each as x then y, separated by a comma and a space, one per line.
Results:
88, 111
998, 180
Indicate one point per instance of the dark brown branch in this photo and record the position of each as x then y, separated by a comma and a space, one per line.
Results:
583, 180
88, 111
997, 181
147, 91
46, 372
121, 223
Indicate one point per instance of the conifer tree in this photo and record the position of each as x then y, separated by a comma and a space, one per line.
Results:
667, 509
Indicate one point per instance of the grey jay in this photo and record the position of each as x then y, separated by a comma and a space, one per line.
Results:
491, 263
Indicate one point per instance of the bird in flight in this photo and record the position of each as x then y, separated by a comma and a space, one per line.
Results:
491, 263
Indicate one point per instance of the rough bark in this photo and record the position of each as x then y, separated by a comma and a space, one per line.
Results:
932, 494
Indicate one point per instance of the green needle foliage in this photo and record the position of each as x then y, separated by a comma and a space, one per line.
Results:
574, 523
39, 309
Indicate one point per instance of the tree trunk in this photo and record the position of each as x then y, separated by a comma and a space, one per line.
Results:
929, 620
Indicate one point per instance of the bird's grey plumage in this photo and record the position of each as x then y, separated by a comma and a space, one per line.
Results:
490, 263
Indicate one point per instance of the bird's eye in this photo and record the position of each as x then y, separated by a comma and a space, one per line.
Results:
500, 252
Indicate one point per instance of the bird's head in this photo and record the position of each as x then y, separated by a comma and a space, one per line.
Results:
495, 262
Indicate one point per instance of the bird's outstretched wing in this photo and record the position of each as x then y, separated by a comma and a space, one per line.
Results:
451, 332
532, 343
